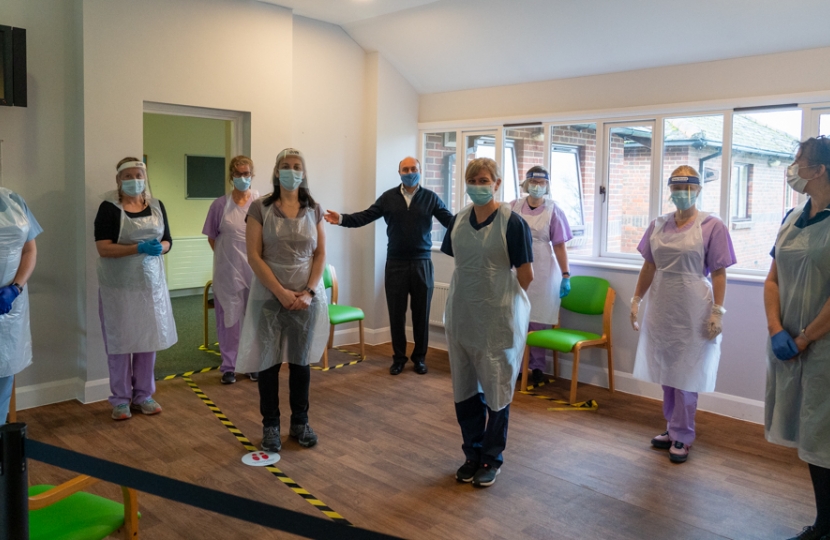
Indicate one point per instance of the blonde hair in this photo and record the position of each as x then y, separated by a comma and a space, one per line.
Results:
239, 160
479, 164
685, 170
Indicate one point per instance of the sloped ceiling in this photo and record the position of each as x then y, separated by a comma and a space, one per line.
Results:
448, 45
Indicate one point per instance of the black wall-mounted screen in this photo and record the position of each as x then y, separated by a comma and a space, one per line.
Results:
12, 66
205, 176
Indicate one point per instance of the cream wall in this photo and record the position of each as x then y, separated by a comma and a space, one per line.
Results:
741, 376
167, 139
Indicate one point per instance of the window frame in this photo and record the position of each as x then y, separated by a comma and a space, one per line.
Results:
747, 217
811, 104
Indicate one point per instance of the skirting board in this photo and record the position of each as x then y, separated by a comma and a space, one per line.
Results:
36, 395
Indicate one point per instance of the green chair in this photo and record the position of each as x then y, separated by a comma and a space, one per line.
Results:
66, 513
340, 314
588, 296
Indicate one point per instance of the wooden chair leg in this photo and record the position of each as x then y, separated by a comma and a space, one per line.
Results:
205, 306
130, 513
13, 403
362, 343
610, 369
330, 344
525, 363
325, 358
555, 365
574, 376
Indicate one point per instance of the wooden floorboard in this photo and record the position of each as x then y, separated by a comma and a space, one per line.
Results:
389, 447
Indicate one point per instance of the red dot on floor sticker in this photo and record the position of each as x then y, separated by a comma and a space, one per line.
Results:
255, 457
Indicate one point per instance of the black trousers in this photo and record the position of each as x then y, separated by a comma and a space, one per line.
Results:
483, 431
299, 378
821, 486
404, 280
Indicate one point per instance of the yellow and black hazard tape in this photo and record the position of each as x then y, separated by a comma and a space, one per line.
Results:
338, 366
295, 487
589, 405
189, 373
209, 350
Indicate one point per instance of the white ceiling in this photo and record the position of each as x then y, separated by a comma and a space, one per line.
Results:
445, 45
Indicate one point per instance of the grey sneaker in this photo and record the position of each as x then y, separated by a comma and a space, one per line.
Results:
466, 472
121, 412
253, 376
149, 407
485, 476
271, 439
304, 435
229, 377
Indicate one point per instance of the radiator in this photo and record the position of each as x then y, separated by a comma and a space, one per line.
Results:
439, 302
189, 264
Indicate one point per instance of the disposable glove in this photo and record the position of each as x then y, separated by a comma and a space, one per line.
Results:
715, 324
565, 287
150, 247
783, 346
635, 309
7, 296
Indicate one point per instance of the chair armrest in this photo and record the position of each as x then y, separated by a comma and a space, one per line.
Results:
79, 483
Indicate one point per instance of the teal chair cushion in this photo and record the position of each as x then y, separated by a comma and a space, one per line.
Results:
343, 314
587, 295
81, 516
559, 339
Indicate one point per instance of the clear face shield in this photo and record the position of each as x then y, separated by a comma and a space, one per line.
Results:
684, 191
537, 184
290, 170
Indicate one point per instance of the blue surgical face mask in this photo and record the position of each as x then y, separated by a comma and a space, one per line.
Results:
411, 179
132, 188
242, 184
290, 179
480, 195
537, 192
683, 200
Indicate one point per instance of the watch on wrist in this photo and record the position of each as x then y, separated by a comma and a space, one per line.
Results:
803, 335
566, 274
310, 291
19, 288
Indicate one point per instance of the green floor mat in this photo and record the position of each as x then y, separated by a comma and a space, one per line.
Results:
185, 355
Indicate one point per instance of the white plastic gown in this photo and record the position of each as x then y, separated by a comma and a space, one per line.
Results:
138, 316
797, 398
487, 312
674, 347
272, 334
15, 333
231, 273
547, 276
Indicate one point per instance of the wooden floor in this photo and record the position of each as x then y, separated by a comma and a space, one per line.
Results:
389, 447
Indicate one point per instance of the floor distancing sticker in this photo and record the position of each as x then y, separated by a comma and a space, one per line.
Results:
295, 487
589, 405
338, 366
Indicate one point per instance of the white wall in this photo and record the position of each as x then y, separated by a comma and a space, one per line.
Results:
742, 373
43, 161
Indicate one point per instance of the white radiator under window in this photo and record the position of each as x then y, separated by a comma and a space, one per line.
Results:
189, 264
439, 302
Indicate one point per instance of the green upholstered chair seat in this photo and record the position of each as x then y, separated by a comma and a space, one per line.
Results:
343, 314
559, 339
81, 516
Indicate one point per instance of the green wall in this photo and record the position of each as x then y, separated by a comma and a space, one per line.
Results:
167, 139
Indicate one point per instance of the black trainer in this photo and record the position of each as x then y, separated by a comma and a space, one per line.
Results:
271, 439
229, 377
466, 472
304, 435
254, 376
810, 533
485, 476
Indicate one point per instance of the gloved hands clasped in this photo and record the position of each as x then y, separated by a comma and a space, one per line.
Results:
565, 287
150, 247
7, 296
783, 346
635, 309
715, 324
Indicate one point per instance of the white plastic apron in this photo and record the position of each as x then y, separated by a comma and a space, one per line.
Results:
674, 347
271, 334
798, 396
231, 273
547, 276
138, 316
15, 333
487, 312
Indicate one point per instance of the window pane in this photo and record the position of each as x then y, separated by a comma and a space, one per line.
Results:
763, 145
824, 124
573, 180
696, 141
438, 173
524, 147
629, 181
478, 146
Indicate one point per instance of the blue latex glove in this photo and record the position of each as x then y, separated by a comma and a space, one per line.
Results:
7, 296
783, 345
565, 287
150, 247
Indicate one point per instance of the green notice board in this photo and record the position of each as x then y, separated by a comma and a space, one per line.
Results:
205, 176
